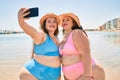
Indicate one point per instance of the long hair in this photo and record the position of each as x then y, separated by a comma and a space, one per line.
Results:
75, 26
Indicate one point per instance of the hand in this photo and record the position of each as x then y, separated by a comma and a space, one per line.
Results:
22, 13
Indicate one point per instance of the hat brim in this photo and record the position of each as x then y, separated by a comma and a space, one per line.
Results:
51, 15
70, 15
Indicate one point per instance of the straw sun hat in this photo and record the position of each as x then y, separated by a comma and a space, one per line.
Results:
72, 16
49, 15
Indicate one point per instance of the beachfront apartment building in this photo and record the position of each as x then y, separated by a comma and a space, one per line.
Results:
118, 24
111, 25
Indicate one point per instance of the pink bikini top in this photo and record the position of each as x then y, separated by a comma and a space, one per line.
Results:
69, 48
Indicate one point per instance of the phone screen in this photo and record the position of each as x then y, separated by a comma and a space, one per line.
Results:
34, 12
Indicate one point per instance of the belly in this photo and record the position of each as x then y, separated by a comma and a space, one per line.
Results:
52, 61
68, 60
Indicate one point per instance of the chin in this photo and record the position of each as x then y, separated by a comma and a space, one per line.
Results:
52, 30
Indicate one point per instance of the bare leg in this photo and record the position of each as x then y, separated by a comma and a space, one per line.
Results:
98, 72
25, 75
65, 78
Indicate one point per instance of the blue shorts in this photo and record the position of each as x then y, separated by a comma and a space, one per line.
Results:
42, 72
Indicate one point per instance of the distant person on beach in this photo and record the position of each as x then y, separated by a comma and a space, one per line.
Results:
77, 63
45, 64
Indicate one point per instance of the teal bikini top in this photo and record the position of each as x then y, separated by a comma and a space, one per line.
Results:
47, 48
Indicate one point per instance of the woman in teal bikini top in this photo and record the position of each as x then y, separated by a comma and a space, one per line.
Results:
45, 64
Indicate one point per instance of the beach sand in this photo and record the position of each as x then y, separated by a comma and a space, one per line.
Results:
112, 74
9, 70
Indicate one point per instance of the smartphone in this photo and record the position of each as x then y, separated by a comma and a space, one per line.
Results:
34, 12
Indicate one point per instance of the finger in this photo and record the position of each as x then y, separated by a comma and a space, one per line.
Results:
20, 10
27, 13
25, 10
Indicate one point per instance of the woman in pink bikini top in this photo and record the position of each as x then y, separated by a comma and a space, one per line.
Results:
77, 63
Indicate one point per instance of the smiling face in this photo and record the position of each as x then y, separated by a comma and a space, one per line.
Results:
51, 24
67, 23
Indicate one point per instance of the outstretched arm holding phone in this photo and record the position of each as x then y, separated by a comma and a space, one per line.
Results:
28, 29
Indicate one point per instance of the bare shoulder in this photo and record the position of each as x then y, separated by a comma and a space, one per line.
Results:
78, 33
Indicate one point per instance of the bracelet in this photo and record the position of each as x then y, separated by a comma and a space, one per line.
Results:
89, 77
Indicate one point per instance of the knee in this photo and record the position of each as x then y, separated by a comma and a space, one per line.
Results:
98, 72
100, 68
22, 74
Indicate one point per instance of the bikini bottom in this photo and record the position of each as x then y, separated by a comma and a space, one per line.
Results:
42, 72
72, 72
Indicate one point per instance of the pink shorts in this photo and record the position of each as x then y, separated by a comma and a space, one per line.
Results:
72, 72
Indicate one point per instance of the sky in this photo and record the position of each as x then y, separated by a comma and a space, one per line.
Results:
92, 13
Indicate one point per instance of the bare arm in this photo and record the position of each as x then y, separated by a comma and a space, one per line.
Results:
38, 37
28, 29
82, 45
